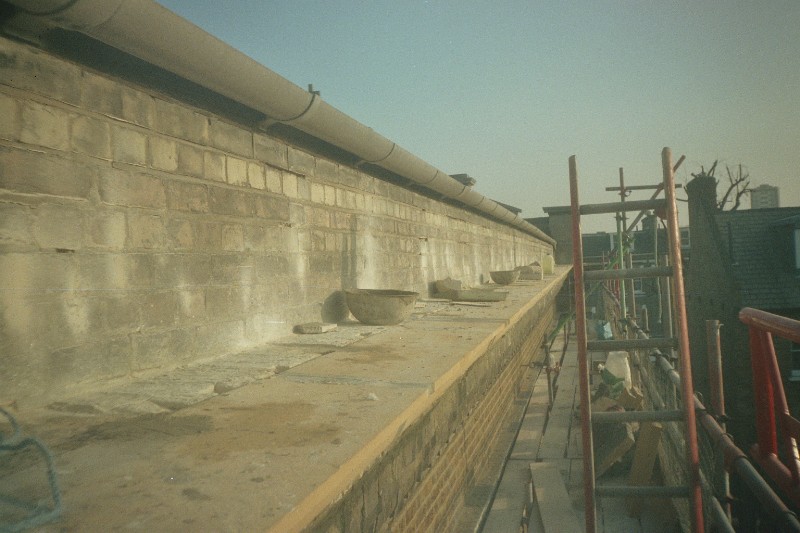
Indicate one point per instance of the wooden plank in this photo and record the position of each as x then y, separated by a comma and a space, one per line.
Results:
574, 451
539, 396
555, 446
511, 501
616, 445
553, 502
529, 437
644, 459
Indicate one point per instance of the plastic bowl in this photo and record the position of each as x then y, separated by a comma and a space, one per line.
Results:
380, 307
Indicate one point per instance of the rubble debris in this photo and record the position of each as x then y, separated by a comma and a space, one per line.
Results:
314, 328
631, 399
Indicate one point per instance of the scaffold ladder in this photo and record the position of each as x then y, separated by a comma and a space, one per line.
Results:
678, 341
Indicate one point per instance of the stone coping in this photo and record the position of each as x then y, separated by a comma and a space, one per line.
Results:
266, 454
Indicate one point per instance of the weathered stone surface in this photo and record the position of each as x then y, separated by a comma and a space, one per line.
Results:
256, 176
273, 208
35, 172
58, 227
132, 189
45, 125
24, 67
290, 184
129, 146
146, 231
15, 228
301, 162
236, 171
159, 308
91, 137
181, 235
274, 180
231, 202
230, 138
190, 160
9, 126
270, 151
185, 196
106, 229
101, 94
317, 192
163, 154
97, 247
180, 122
137, 107
214, 165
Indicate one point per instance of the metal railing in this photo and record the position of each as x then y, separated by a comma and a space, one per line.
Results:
777, 430
719, 455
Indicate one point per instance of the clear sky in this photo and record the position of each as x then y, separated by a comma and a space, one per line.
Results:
506, 91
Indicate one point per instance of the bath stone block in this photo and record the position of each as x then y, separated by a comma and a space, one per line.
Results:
230, 138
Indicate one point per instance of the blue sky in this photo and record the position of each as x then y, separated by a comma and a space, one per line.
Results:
506, 91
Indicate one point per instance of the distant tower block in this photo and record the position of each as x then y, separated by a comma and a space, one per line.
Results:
764, 196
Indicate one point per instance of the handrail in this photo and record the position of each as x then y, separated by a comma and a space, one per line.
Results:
772, 409
734, 459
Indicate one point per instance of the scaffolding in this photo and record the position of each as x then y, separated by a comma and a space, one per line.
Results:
695, 439
679, 343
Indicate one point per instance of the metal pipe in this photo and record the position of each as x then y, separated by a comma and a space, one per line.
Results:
621, 265
734, 458
717, 391
627, 262
645, 319
624, 491
763, 396
590, 516
687, 390
715, 368
614, 207
614, 417
775, 324
146, 30
644, 272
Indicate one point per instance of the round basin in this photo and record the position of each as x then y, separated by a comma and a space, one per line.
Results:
504, 277
380, 307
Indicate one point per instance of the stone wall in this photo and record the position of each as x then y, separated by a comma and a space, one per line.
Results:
139, 233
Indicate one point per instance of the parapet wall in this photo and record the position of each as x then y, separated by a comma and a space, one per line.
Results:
139, 233
436, 471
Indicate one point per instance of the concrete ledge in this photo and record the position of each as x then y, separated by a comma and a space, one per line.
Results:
357, 436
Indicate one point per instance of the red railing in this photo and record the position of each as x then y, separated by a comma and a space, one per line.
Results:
778, 431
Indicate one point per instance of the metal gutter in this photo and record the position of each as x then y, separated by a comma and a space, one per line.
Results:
149, 31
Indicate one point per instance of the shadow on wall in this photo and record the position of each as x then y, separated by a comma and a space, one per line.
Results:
334, 308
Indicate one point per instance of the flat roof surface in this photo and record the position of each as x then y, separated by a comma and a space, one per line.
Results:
265, 438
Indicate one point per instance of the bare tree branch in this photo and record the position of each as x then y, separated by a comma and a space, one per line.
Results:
738, 185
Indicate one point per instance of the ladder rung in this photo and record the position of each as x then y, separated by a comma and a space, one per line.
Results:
631, 344
617, 207
611, 417
629, 273
626, 491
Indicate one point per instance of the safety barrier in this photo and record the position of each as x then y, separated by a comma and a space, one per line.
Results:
777, 430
